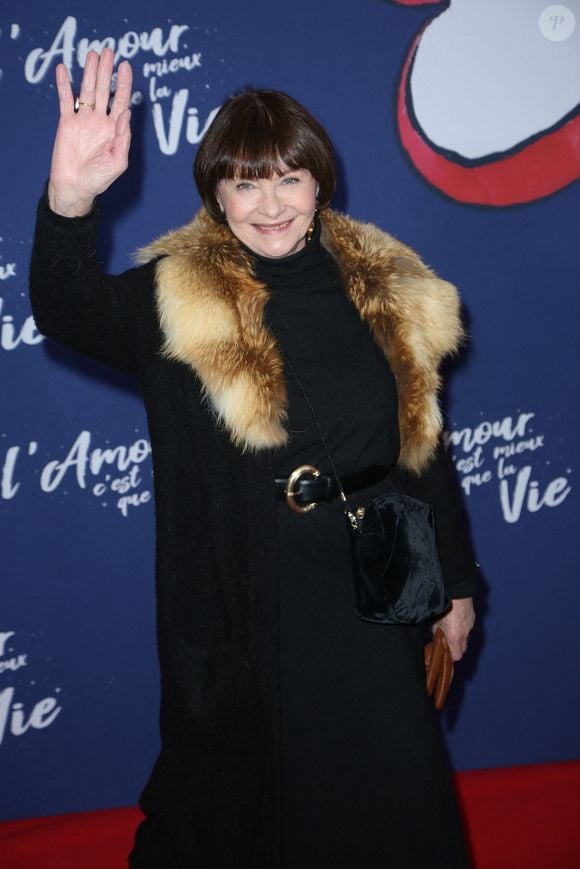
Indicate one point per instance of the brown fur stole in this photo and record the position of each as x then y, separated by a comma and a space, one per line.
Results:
211, 309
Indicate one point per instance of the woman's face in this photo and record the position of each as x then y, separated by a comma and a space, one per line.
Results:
271, 216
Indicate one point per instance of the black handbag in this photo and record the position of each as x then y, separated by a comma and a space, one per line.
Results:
396, 569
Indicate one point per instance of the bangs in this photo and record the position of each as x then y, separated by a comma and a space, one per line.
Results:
262, 149
254, 166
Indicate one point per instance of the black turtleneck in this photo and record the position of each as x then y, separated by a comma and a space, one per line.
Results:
343, 372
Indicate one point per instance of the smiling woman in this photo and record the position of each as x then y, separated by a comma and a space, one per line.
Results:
265, 167
294, 733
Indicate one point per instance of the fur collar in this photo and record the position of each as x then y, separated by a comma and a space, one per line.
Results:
211, 310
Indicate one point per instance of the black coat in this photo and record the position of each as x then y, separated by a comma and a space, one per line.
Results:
216, 781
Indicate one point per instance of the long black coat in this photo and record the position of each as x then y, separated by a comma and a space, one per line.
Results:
215, 400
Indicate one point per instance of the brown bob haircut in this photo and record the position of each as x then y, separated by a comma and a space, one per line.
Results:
257, 133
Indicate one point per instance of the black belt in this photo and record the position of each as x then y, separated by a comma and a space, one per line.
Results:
306, 486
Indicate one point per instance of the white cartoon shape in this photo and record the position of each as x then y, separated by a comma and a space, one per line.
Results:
489, 100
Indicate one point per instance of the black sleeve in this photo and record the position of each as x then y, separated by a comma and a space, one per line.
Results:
438, 486
111, 319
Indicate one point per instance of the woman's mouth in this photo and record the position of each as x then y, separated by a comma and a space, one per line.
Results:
272, 228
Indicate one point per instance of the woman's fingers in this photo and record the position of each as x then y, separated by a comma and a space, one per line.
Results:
123, 126
104, 74
89, 81
122, 140
122, 99
64, 90
95, 91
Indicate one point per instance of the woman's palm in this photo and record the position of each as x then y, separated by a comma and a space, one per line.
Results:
92, 144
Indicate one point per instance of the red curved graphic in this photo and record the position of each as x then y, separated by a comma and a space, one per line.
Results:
537, 169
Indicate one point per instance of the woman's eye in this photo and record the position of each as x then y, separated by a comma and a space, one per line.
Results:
244, 185
290, 181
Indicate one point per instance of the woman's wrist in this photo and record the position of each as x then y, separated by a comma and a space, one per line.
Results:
68, 203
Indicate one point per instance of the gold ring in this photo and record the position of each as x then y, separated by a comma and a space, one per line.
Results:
79, 103
290, 493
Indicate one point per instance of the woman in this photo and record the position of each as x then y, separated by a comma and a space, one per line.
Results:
293, 733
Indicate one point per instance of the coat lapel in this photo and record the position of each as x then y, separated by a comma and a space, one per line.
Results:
211, 311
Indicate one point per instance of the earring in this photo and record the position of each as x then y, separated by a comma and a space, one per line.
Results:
312, 227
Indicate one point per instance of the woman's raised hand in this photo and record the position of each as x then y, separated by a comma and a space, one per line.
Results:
91, 148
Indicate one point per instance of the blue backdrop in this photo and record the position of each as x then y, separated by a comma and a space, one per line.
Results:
457, 129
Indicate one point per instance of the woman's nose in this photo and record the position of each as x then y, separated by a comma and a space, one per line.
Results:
271, 204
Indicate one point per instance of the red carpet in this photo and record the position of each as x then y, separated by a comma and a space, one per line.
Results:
524, 817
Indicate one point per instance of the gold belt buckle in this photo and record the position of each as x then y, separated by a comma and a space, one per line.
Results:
290, 488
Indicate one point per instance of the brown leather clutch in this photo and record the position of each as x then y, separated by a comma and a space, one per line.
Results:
438, 668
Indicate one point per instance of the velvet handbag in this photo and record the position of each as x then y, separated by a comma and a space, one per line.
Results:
397, 573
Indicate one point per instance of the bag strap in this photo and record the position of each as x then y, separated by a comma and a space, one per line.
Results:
351, 514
